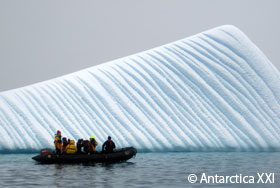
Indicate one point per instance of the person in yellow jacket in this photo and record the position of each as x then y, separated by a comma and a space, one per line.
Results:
58, 142
92, 144
71, 148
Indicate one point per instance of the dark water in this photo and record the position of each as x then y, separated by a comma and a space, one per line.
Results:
146, 170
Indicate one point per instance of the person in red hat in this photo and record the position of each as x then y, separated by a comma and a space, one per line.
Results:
58, 142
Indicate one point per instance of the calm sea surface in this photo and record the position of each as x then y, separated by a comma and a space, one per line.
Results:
146, 170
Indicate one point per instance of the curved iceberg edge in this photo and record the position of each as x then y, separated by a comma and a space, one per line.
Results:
214, 91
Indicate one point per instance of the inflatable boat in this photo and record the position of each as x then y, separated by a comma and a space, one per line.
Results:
124, 154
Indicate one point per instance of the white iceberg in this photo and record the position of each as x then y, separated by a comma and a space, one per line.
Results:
214, 91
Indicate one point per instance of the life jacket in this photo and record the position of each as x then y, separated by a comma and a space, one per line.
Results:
71, 148
93, 144
109, 146
110, 143
58, 142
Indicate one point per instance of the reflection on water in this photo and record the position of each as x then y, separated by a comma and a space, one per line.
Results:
146, 170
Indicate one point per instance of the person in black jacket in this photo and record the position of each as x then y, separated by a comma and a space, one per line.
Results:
86, 146
108, 146
79, 145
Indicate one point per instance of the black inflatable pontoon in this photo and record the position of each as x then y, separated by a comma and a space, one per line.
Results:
123, 154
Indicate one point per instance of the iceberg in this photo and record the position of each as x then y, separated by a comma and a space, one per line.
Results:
214, 91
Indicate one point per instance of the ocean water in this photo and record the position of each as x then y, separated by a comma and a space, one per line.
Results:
145, 170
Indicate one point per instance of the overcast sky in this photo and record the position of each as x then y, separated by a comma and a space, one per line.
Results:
40, 40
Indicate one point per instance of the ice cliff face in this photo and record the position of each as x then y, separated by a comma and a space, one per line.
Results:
214, 91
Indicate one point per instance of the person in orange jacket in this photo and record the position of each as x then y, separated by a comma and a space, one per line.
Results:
92, 144
58, 142
71, 148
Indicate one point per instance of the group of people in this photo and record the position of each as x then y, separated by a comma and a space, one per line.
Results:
64, 146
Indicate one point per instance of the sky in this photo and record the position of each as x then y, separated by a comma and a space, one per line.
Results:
41, 40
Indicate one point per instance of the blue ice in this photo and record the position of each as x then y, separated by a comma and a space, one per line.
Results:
214, 91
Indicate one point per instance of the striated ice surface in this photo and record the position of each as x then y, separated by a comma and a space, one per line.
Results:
215, 91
